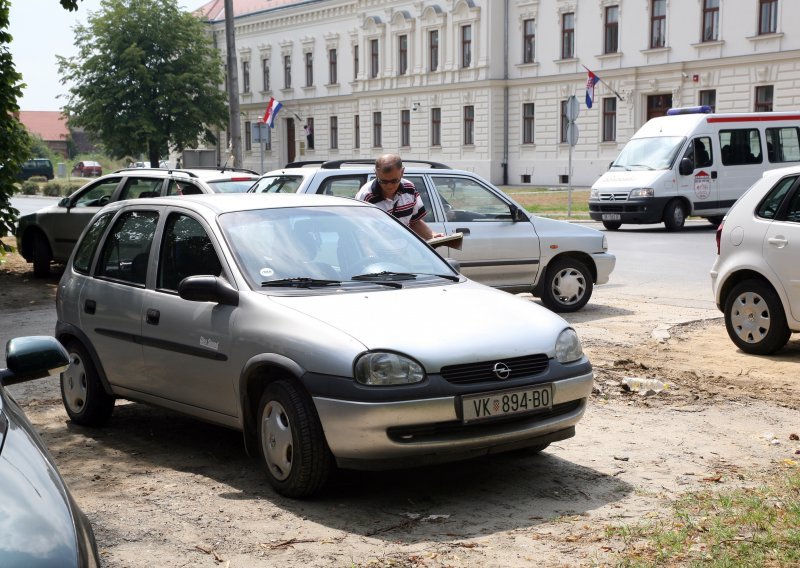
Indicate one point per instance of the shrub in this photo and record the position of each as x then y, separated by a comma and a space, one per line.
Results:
37, 178
53, 189
30, 188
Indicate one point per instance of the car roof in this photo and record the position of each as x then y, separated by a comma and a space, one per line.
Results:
227, 202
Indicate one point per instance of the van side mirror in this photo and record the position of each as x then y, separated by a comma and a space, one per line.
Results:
686, 167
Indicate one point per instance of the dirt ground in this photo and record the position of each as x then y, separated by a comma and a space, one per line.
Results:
167, 490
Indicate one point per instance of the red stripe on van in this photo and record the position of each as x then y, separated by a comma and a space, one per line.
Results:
711, 119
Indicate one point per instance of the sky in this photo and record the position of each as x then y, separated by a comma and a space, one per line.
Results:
42, 29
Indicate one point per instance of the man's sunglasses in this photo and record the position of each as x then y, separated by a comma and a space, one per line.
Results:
388, 181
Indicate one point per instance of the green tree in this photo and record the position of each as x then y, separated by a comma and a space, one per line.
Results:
146, 78
14, 139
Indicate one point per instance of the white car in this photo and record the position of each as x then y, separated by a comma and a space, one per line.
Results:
756, 277
504, 246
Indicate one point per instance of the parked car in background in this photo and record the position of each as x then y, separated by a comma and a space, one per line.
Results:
42, 524
49, 235
36, 167
755, 277
504, 246
320, 327
88, 168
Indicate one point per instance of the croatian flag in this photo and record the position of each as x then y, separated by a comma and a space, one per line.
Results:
591, 81
273, 107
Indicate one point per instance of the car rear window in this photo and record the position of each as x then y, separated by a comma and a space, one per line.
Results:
233, 185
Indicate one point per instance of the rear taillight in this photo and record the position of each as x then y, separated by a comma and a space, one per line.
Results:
719, 236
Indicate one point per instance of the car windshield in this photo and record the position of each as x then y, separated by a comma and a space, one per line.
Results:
233, 185
649, 153
277, 184
345, 246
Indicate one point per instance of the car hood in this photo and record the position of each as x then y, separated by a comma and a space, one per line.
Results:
624, 180
562, 230
437, 325
40, 525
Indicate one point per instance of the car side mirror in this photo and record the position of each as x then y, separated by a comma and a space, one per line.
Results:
208, 289
686, 167
519, 214
64, 202
34, 357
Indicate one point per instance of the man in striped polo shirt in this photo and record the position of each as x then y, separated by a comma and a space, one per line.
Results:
396, 195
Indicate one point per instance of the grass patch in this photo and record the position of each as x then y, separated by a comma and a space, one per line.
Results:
549, 202
757, 526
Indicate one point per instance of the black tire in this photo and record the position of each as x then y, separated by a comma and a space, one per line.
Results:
675, 215
41, 256
715, 220
754, 318
612, 225
85, 400
568, 285
291, 441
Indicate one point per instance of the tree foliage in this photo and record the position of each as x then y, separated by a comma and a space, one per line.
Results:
146, 78
14, 139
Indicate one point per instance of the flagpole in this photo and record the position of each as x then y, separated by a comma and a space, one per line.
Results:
604, 83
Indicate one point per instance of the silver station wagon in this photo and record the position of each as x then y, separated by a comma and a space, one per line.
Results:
320, 327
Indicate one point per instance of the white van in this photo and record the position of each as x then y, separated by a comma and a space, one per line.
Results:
691, 162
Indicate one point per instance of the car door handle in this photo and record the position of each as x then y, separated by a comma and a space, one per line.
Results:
463, 230
779, 241
89, 306
152, 316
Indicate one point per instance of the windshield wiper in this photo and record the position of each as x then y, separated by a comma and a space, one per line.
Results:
388, 275
299, 282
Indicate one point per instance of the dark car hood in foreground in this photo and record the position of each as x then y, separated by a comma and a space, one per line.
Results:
40, 524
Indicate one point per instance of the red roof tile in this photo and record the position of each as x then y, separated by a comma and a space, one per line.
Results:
51, 125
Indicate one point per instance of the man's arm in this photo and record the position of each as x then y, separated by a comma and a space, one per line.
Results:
421, 228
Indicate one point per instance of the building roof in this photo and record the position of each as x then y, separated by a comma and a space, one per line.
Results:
50, 125
215, 9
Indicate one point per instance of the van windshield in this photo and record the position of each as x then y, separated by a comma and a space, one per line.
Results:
649, 153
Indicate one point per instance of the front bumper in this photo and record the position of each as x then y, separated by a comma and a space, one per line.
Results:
377, 435
605, 262
635, 211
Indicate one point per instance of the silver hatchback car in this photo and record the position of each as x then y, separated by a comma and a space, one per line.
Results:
322, 328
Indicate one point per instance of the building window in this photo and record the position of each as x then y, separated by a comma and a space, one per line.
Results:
433, 50
658, 105
609, 119
527, 123
436, 127
568, 36
376, 130
355, 62
469, 125
245, 76
287, 71
764, 99
402, 54
466, 46
767, 16
563, 122
709, 98
265, 73
658, 24
529, 41
248, 141
333, 71
356, 131
373, 58
334, 134
309, 69
405, 128
611, 39
710, 20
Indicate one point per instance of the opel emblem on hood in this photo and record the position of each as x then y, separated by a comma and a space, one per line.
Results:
501, 371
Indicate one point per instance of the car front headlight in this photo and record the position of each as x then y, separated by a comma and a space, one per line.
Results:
642, 192
384, 368
594, 194
568, 346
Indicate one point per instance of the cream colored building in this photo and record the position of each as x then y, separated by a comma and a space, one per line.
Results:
482, 84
